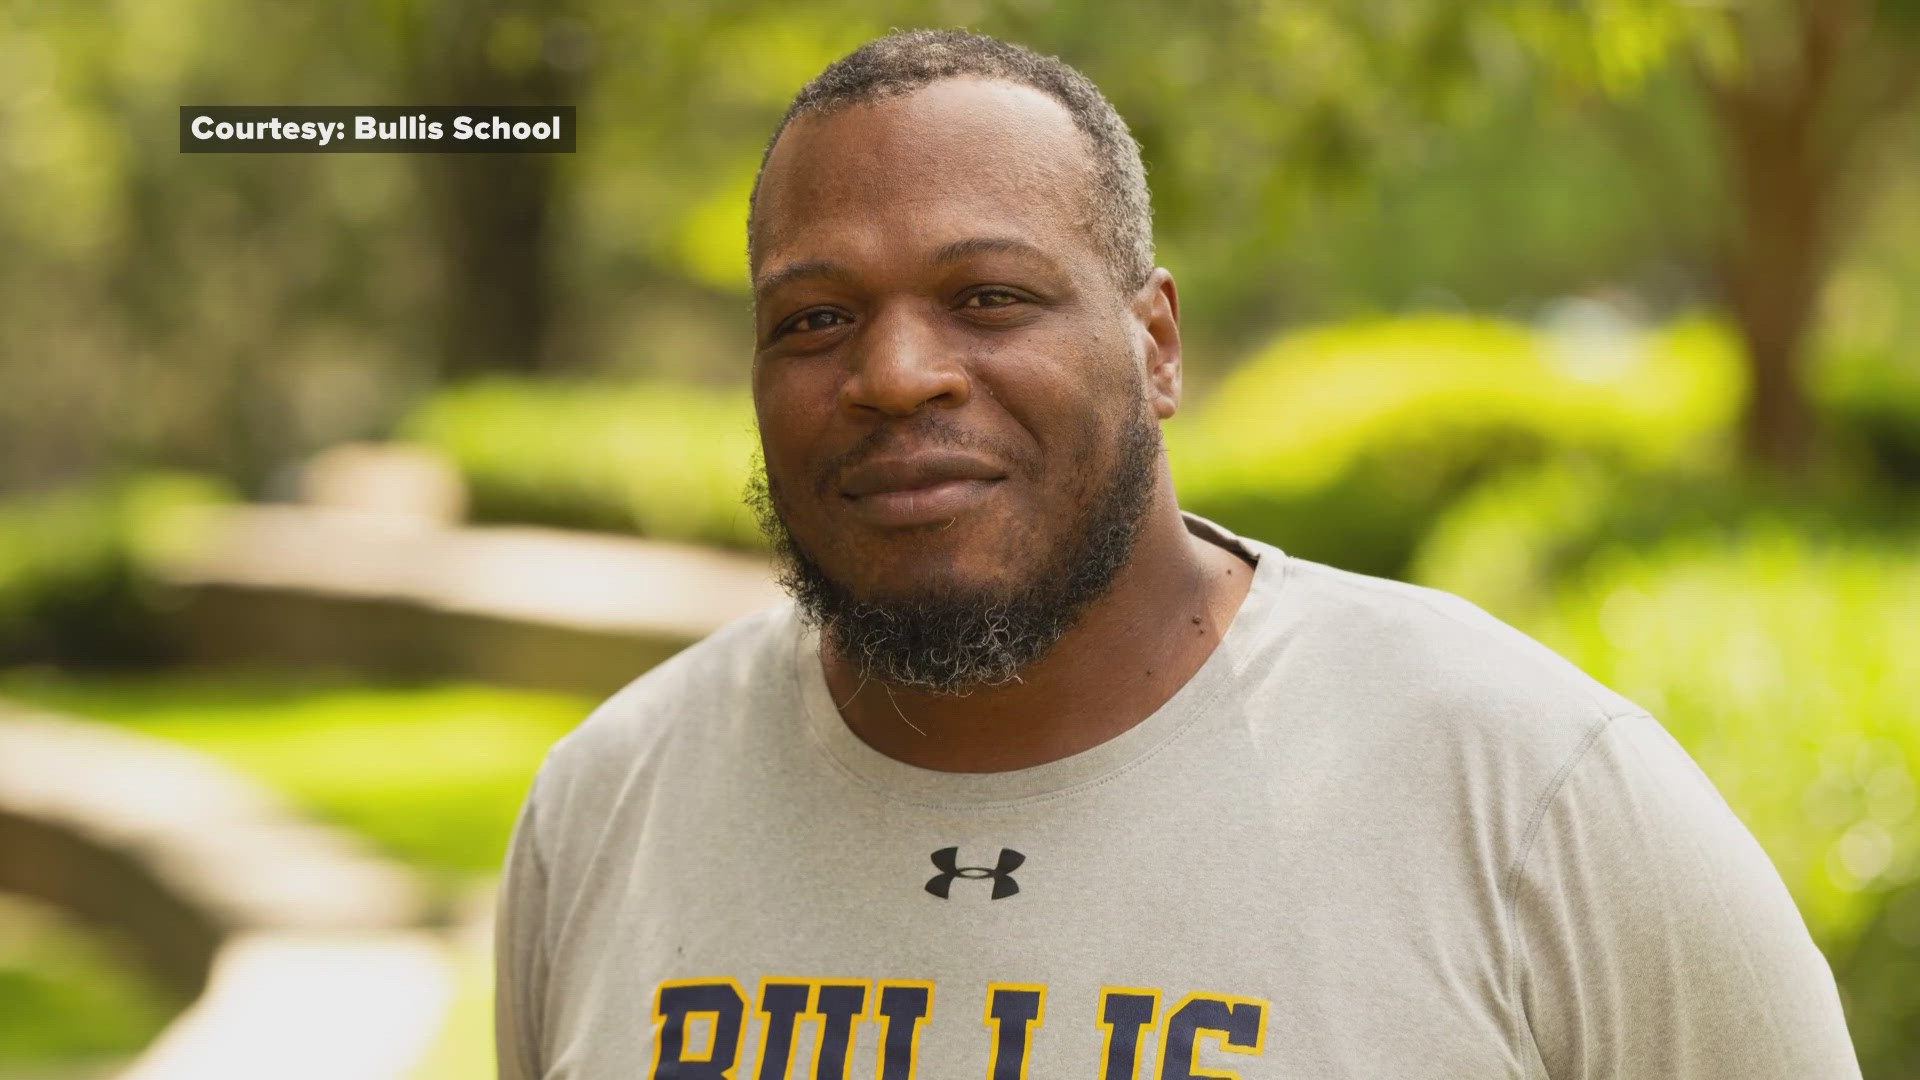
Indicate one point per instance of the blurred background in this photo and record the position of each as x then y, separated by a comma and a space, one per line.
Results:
333, 489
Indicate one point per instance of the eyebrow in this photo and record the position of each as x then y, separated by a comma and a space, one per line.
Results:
953, 252
811, 268
982, 245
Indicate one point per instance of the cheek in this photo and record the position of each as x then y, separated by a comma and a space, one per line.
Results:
793, 413
1071, 400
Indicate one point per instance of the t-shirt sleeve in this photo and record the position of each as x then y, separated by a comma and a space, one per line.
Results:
519, 954
1653, 937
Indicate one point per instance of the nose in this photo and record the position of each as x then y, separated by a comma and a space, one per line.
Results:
901, 363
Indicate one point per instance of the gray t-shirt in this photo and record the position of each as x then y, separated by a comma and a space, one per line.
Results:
1379, 833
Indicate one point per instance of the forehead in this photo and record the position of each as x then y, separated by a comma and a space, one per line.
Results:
953, 159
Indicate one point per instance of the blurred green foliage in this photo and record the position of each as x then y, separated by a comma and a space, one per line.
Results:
75, 581
1343, 444
1512, 539
661, 460
1869, 379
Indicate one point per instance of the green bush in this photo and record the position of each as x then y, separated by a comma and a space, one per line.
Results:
1785, 664
660, 460
1866, 370
1871, 397
1506, 542
75, 582
1343, 444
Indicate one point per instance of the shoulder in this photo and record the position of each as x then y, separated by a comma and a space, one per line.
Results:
1653, 935
1395, 686
1441, 652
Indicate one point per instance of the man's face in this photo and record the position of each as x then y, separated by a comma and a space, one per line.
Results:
948, 380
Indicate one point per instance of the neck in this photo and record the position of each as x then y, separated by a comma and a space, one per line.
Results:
1128, 653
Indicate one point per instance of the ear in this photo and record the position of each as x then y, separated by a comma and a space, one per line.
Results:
1156, 314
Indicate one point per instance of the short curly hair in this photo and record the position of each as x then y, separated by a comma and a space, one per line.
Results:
1121, 212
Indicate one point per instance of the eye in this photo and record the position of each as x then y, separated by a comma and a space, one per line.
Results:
990, 298
816, 319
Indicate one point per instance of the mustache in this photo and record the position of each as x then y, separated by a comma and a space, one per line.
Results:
918, 434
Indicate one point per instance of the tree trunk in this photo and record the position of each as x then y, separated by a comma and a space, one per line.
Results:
1775, 265
495, 239
1785, 152
494, 214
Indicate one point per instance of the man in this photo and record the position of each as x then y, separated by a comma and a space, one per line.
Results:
1040, 777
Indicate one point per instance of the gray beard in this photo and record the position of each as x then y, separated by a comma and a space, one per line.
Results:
953, 640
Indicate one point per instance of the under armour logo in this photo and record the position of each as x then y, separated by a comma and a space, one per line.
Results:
1001, 872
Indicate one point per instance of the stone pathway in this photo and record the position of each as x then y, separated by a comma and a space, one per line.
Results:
304, 947
309, 1006
588, 580
403, 597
